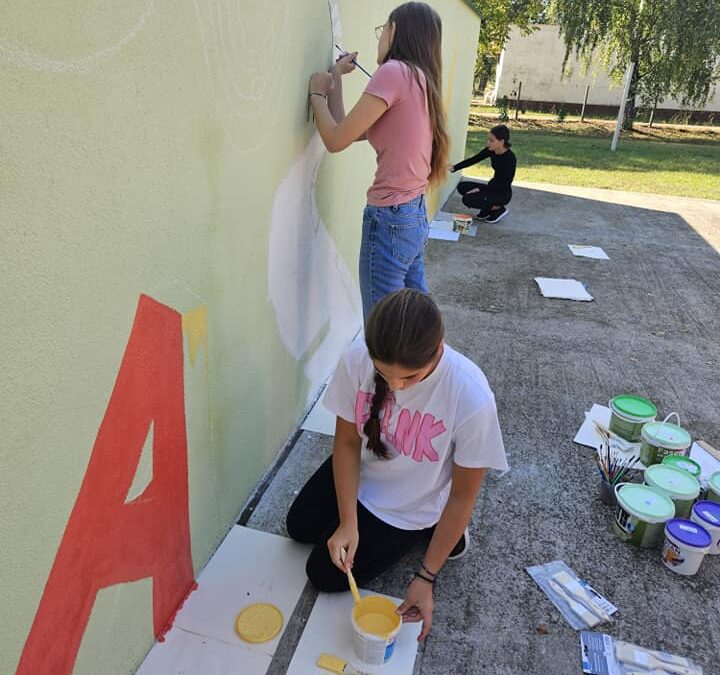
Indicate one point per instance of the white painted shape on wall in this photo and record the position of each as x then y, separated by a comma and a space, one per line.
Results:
315, 296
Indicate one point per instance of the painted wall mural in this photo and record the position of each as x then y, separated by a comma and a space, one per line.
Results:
108, 540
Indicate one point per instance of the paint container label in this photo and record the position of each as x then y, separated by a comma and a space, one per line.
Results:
672, 556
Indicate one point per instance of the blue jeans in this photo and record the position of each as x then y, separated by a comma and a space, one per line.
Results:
391, 252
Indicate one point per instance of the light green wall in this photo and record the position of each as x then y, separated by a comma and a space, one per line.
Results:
141, 147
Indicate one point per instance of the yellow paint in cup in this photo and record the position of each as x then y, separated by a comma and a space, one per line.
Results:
375, 626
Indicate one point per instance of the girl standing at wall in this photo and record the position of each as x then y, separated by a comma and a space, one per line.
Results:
492, 198
416, 431
401, 114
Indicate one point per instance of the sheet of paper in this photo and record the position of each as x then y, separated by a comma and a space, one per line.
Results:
588, 252
444, 216
184, 653
443, 235
446, 225
320, 420
329, 631
589, 435
707, 462
250, 566
565, 289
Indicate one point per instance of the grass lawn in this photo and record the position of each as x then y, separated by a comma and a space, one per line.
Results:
667, 159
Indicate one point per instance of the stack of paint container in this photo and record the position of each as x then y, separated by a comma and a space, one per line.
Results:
666, 503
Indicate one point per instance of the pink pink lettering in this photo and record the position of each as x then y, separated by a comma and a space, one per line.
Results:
406, 431
429, 428
387, 414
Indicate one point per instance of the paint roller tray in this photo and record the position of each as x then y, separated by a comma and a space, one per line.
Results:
581, 605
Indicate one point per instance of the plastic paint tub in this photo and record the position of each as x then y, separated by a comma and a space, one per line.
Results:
660, 439
375, 626
677, 484
686, 544
461, 222
629, 413
641, 514
707, 514
713, 491
684, 463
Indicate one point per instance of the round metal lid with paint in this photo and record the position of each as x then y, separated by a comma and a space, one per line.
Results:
708, 512
666, 435
684, 463
676, 483
689, 533
714, 482
645, 503
633, 407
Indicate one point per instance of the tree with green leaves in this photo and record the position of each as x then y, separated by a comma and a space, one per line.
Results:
674, 44
496, 18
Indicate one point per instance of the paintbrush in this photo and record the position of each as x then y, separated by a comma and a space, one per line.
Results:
635, 656
344, 53
588, 618
577, 591
626, 468
351, 579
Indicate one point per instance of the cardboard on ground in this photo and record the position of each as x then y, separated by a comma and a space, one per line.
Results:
564, 289
588, 252
250, 566
329, 630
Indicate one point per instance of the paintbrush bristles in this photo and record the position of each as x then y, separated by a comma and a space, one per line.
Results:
613, 468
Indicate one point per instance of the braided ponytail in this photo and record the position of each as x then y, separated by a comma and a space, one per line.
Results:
372, 426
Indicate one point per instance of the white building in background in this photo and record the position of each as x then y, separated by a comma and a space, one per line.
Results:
535, 60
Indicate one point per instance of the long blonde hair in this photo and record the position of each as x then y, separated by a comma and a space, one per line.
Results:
417, 42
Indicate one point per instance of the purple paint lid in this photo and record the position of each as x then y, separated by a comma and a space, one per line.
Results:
689, 533
708, 512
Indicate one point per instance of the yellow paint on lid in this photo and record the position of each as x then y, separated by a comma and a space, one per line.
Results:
258, 623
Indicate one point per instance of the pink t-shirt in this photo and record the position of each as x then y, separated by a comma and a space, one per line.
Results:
402, 137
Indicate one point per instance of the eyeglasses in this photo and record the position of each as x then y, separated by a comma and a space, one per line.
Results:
379, 31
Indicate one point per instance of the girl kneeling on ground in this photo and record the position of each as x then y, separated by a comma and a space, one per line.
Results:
492, 198
416, 431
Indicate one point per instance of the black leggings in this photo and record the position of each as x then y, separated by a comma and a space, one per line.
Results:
313, 518
485, 198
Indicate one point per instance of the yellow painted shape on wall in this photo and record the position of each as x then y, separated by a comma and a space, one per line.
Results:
194, 325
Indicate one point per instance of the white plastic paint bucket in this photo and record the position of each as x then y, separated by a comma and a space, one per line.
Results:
686, 544
375, 626
707, 514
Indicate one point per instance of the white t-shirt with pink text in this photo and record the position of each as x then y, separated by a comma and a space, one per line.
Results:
448, 418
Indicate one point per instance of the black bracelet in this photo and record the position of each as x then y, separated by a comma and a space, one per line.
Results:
317, 93
425, 569
418, 575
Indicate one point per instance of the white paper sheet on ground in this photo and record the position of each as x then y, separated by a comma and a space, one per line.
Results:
250, 566
446, 225
444, 235
588, 252
565, 289
185, 653
707, 462
320, 420
589, 435
444, 216
329, 630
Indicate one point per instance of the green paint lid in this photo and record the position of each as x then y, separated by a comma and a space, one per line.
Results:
714, 482
676, 483
684, 463
634, 408
666, 435
645, 502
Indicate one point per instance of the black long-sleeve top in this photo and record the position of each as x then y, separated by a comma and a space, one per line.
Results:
503, 165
